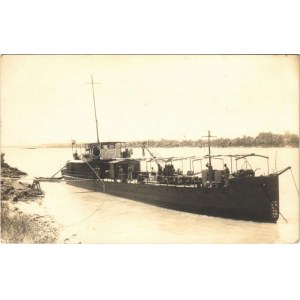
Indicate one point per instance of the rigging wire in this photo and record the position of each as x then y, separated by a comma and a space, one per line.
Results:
57, 172
296, 190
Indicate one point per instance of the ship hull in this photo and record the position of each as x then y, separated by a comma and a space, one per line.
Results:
248, 198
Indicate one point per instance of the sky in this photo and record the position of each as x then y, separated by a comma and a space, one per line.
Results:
48, 98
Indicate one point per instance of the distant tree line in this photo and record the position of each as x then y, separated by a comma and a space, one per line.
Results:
264, 139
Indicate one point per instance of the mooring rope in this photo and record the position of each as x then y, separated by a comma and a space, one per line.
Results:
283, 216
102, 181
294, 181
84, 219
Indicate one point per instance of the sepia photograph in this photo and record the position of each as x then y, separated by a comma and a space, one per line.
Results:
149, 149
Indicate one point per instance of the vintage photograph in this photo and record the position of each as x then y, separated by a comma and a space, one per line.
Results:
149, 149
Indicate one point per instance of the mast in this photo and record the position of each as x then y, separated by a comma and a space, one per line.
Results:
208, 139
92, 83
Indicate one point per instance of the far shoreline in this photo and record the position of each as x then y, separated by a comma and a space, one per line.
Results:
262, 140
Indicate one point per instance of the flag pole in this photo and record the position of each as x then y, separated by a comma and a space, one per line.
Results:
73, 142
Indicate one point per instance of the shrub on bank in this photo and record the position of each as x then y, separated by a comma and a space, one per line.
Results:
17, 227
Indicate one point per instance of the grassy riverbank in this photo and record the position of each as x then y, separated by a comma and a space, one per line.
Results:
16, 225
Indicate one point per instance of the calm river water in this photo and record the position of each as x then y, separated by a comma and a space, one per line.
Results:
89, 217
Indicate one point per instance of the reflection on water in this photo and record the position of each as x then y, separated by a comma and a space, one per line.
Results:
90, 217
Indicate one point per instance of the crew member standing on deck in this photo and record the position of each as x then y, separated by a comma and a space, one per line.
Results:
76, 156
210, 173
226, 175
120, 173
130, 170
